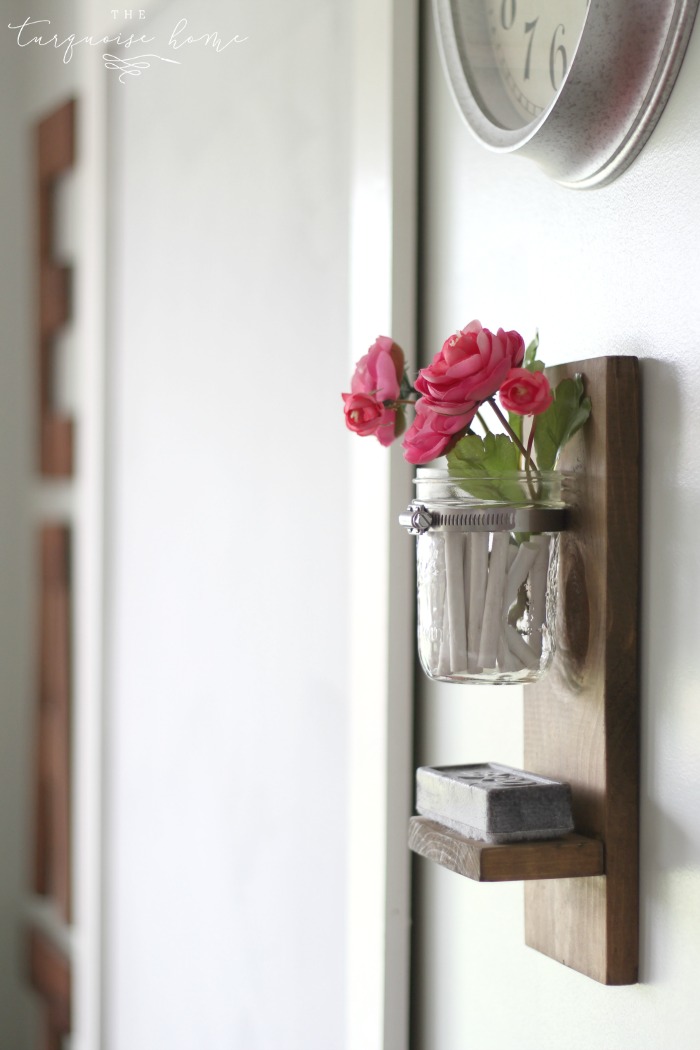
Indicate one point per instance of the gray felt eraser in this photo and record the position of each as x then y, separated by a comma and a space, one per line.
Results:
494, 803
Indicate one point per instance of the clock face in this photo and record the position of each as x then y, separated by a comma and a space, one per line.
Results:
577, 85
517, 53
534, 42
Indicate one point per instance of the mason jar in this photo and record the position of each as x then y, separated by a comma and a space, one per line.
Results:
487, 553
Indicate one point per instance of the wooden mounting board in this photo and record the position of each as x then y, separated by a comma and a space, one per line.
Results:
582, 719
569, 857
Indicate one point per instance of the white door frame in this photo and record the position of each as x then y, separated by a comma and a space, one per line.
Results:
382, 302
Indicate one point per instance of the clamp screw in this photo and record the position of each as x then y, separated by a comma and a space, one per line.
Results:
417, 519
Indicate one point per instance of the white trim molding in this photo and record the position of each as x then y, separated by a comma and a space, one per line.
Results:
382, 302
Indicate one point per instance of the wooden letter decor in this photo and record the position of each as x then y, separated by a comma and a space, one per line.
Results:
582, 718
50, 977
52, 789
55, 152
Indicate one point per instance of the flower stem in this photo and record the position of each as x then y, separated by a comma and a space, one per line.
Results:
514, 437
531, 438
483, 422
528, 462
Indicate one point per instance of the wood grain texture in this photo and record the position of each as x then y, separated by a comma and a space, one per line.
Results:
572, 856
55, 154
50, 976
52, 823
582, 719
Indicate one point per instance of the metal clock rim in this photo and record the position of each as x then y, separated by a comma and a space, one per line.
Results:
583, 139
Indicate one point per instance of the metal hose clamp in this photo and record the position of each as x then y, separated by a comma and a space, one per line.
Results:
420, 518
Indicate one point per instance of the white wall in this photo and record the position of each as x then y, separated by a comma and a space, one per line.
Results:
227, 468
610, 271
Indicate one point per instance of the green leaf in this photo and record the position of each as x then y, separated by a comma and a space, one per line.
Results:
406, 389
567, 413
530, 360
491, 457
500, 454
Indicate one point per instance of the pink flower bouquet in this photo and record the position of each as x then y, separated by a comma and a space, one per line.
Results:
474, 366
485, 587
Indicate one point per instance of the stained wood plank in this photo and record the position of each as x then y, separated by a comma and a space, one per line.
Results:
567, 857
55, 155
52, 824
50, 976
582, 719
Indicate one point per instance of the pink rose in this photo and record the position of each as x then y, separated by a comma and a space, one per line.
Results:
363, 413
377, 380
471, 365
379, 371
433, 432
445, 418
527, 393
422, 443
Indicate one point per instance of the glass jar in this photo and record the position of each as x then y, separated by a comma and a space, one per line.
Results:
487, 558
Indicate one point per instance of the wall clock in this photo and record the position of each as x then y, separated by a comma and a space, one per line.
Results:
576, 84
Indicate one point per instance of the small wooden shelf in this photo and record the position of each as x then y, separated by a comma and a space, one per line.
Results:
572, 856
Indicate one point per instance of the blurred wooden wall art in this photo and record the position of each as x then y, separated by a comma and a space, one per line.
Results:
52, 869
55, 154
50, 977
